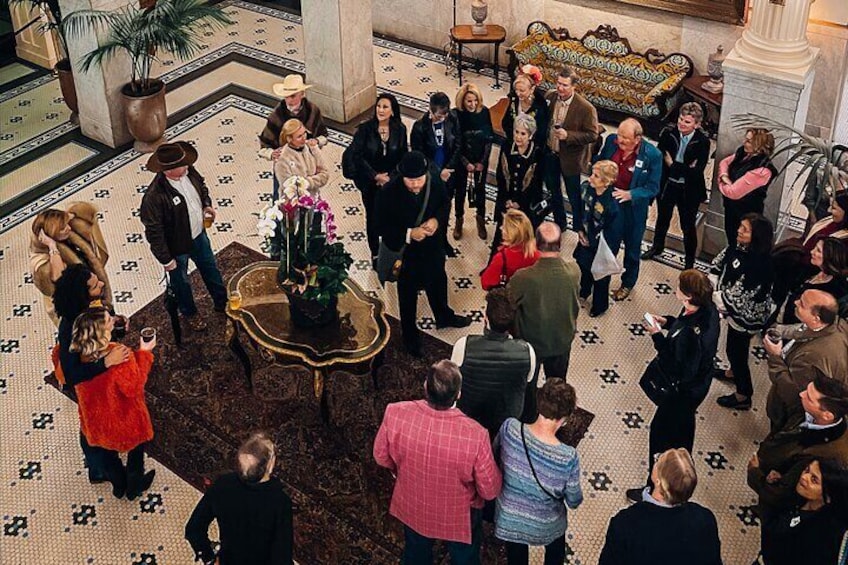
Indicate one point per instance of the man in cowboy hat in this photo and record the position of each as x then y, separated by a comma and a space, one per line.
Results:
173, 211
402, 199
293, 105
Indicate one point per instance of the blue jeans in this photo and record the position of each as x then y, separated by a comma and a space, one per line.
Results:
204, 259
634, 217
418, 550
553, 174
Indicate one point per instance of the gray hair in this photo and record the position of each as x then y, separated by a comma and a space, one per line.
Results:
525, 121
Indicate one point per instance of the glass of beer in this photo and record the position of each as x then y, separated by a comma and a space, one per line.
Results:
773, 336
148, 334
207, 220
235, 300
119, 330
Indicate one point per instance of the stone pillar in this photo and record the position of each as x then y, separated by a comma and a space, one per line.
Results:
101, 111
770, 73
339, 56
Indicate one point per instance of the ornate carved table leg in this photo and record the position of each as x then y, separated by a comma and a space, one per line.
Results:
238, 350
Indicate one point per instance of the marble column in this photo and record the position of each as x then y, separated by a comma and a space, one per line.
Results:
769, 72
101, 111
777, 34
339, 56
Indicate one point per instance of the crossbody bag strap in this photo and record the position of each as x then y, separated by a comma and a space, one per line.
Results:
532, 470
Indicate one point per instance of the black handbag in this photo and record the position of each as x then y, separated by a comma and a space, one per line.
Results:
657, 385
389, 261
349, 163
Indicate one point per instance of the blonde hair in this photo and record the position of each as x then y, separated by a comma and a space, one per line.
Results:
289, 129
676, 476
89, 334
525, 77
52, 221
607, 170
517, 230
459, 101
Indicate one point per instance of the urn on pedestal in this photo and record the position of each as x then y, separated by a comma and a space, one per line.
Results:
479, 11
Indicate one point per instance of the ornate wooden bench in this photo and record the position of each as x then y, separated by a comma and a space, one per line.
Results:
617, 80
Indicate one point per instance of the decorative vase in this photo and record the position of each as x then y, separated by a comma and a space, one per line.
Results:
479, 11
715, 72
147, 116
308, 314
66, 85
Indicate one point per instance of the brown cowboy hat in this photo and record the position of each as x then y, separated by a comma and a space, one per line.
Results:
171, 156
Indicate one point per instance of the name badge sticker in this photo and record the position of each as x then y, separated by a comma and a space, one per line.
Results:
639, 163
176, 201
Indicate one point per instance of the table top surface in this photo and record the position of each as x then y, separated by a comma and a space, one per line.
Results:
360, 333
693, 86
494, 34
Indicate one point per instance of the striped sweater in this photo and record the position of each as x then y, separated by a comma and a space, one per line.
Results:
524, 513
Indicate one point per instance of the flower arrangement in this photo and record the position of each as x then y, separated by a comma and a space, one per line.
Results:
300, 228
533, 72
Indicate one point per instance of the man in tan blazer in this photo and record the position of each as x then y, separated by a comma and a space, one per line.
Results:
572, 132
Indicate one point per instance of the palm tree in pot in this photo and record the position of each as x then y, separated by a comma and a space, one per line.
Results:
53, 23
170, 26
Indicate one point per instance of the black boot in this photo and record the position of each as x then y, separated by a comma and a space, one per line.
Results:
118, 478
137, 484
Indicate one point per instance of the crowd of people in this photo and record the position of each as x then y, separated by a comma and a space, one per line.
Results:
482, 444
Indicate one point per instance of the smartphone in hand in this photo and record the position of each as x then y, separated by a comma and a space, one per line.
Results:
651, 320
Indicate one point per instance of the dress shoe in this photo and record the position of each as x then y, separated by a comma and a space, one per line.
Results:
651, 253
457, 229
732, 402
635, 494
137, 485
621, 293
455, 322
196, 323
595, 313
723, 375
481, 228
450, 251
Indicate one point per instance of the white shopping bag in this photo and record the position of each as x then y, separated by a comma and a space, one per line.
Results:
604, 264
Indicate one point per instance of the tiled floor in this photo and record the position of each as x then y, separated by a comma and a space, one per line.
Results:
52, 515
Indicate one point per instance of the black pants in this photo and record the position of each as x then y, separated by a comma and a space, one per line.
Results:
435, 284
588, 285
519, 554
128, 478
478, 192
738, 349
675, 194
673, 426
369, 201
553, 173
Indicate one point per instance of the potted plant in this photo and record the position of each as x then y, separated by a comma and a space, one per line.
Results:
171, 26
300, 229
824, 162
53, 14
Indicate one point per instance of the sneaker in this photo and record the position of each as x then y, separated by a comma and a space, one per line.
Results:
196, 323
635, 494
455, 322
732, 402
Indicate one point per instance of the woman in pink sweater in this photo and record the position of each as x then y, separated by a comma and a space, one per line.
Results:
744, 177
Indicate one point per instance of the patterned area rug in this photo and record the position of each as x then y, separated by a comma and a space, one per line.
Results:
202, 409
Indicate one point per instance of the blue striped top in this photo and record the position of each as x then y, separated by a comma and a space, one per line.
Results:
524, 513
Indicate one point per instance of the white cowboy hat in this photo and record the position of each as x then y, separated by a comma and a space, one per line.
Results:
292, 84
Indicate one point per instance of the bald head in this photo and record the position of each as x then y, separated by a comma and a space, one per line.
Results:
629, 135
548, 237
816, 308
255, 458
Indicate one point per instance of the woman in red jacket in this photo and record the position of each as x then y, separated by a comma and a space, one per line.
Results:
517, 251
113, 413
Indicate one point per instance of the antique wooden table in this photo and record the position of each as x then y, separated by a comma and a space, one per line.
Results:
495, 35
355, 342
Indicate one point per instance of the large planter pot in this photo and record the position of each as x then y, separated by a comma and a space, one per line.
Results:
146, 116
66, 85
308, 314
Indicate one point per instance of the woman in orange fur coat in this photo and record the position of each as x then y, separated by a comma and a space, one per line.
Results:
113, 413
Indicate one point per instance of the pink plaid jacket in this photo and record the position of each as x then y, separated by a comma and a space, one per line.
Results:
444, 466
